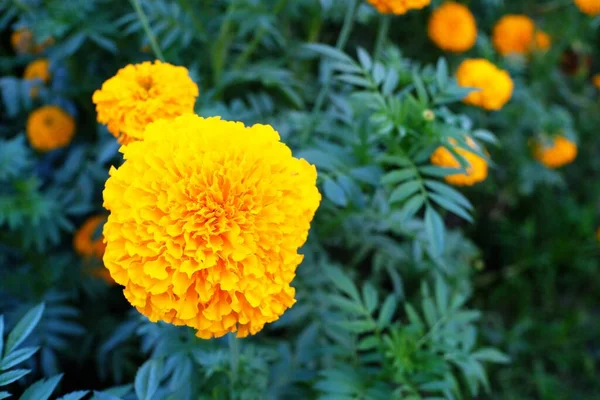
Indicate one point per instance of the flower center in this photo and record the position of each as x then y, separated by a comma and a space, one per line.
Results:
145, 82
48, 121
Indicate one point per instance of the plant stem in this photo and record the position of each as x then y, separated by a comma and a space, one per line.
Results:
234, 358
221, 47
258, 35
146, 25
187, 6
382, 33
341, 43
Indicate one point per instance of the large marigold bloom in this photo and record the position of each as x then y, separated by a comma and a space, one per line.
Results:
495, 84
476, 171
452, 27
398, 7
589, 7
514, 34
558, 152
142, 93
49, 127
206, 218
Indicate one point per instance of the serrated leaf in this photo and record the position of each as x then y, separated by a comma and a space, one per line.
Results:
334, 192
446, 191
412, 206
42, 389
4, 395
450, 206
390, 83
441, 73
420, 88
329, 51
364, 58
404, 191
360, 326
370, 297
439, 172
1, 334
378, 73
345, 304
368, 343
434, 227
16, 357
441, 295
354, 80
397, 176
12, 376
413, 316
23, 328
387, 311
342, 282
75, 395
147, 379
491, 355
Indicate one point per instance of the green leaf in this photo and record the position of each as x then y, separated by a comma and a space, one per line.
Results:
378, 73
387, 311
42, 389
450, 206
368, 343
413, 316
429, 312
434, 227
354, 80
147, 379
439, 172
364, 58
491, 355
441, 295
16, 357
441, 73
11, 376
412, 206
75, 395
342, 282
334, 192
370, 297
343, 303
360, 326
1, 334
446, 191
23, 328
421, 91
4, 395
404, 191
330, 52
394, 177
390, 83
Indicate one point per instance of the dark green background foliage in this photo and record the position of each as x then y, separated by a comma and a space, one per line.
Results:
409, 289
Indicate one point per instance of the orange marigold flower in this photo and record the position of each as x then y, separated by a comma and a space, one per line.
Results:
142, 93
84, 243
542, 41
557, 152
596, 80
23, 43
589, 7
398, 7
495, 84
452, 27
49, 127
476, 171
514, 34
206, 218
38, 69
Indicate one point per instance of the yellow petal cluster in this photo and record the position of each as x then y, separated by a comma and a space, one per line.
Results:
49, 128
142, 93
452, 27
476, 171
589, 7
206, 218
516, 34
496, 86
560, 151
398, 7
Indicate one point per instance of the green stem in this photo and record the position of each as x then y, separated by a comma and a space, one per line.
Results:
258, 35
189, 9
221, 47
340, 44
234, 358
146, 25
382, 34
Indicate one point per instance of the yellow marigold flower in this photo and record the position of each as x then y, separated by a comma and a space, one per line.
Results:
206, 217
495, 84
38, 69
49, 127
514, 34
476, 172
452, 27
542, 41
596, 80
398, 7
142, 93
84, 243
589, 7
559, 152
